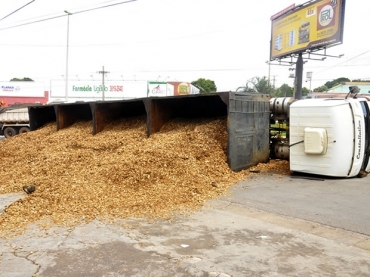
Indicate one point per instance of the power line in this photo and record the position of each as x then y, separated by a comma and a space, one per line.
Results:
106, 6
343, 62
33, 22
54, 17
16, 10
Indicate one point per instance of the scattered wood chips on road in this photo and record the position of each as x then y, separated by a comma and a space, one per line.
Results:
118, 173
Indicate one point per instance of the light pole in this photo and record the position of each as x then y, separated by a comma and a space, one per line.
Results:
309, 76
68, 14
268, 78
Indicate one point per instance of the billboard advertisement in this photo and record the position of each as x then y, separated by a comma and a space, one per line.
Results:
184, 88
93, 90
115, 90
157, 89
313, 25
22, 92
22, 89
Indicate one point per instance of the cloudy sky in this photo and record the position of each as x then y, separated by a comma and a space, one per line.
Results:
226, 41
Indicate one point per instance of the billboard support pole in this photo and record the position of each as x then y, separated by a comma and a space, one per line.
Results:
299, 77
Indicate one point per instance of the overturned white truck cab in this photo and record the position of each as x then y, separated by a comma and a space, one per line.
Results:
330, 137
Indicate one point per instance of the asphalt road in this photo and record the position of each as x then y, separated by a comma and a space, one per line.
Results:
341, 203
268, 226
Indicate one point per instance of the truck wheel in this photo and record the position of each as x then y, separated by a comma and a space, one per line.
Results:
24, 130
9, 132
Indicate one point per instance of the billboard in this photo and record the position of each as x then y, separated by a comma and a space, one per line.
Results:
160, 89
115, 90
313, 25
23, 92
184, 88
93, 90
22, 89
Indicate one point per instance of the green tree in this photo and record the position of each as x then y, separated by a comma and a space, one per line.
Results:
25, 79
330, 84
205, 85
305, 91
321, 89
259, 85
336, 82
362, 81
284, 91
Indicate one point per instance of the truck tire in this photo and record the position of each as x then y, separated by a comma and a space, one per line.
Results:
24, 130
10, 132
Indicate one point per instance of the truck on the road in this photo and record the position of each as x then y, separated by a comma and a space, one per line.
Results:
330, 136
324, 136
14, 120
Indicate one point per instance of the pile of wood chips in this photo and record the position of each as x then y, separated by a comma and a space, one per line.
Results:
118, 173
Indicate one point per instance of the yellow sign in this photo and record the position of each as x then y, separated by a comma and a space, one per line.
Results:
312, 26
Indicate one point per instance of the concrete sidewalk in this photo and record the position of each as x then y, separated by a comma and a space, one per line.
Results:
226, 238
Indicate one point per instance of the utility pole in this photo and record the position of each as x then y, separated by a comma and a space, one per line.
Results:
269, 63
103, 88
309, 77
273, 80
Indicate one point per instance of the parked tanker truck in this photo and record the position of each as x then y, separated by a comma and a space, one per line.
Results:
14, 120
328, 137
